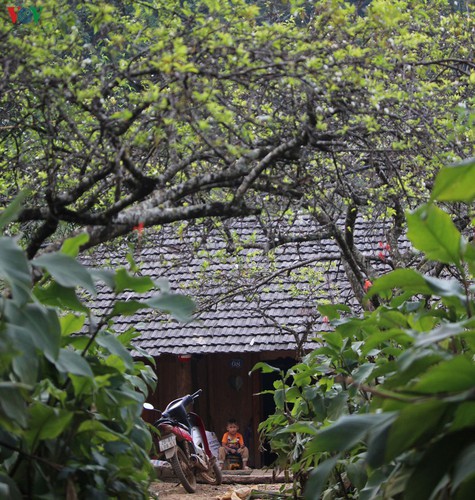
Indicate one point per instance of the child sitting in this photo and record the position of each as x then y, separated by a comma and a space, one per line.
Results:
233, 443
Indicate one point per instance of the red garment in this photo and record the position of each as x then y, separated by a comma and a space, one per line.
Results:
233, 442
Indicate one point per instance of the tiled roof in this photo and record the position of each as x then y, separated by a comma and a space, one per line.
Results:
254, 302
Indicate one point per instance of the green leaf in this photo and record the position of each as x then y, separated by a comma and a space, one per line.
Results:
9, 489
464, 466
72, 246
318, 479
411, 281
66, 271
13, 209
348, 431
464, 416
127, 308
71, 323
437, 460
124, 281
59, 296
46, 422
455, 183
457, 374
414, 424
41, 323
12, 404
332, 311
442, 332
15, 269
432, 231
402, 279
299, 427
265, 368
113, 346
179, 306
72, 362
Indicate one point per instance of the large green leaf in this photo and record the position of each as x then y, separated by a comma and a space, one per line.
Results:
54, 294
414, 424
46, 422
455, 183
432, 231
25, 363
442, 332
12, 405
437, 460
456, 374
348, 431
412, 281
71, 323
66, 271
14, 268
72, 245
127, 307
9, 489
41, 323
13, 209
318, 479
464, 467
72, 362
114, 346
140, 284
179, 306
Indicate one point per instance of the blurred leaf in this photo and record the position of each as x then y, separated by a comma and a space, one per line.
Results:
415, 423
265, 368
42, 325
332, 311
455, 183
56, 295
179, 306
8, 488
124, 281
444, 331
436, 461
71, 246
12, 404
126, 308
348, 431
432, 231
114, 346
13, 209
464, 466
71, 323
72, 362
318, 479
66, 271
14, 267
46, 422
456, 374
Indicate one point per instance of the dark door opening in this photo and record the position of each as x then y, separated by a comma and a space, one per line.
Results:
268, 405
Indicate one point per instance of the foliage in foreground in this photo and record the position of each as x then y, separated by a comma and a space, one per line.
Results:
70, 393
385, 408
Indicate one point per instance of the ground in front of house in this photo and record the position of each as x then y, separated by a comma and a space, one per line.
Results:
236, 486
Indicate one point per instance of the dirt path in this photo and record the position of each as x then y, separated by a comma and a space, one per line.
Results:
172, 491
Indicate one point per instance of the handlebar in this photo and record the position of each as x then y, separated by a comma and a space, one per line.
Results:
197, 394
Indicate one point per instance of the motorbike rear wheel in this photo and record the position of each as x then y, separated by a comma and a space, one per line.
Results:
183, 470
214, 475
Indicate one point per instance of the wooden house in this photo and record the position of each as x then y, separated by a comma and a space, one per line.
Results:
255, 303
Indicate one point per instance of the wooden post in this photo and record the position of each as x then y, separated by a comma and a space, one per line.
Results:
256, 411
184, 382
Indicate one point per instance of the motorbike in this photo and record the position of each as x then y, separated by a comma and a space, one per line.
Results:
183, 443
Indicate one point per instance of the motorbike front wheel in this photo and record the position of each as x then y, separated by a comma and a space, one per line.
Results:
183, 471
213, 475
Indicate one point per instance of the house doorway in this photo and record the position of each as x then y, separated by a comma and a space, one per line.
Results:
268, 405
